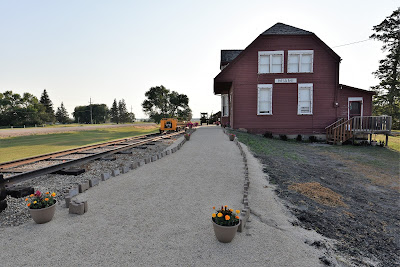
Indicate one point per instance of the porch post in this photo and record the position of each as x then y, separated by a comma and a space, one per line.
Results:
387, 140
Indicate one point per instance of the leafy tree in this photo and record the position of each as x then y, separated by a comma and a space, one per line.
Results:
162, 103
114, 112
100, 113
62, 114
49, 111
387, 100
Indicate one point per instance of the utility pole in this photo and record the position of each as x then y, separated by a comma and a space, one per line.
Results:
91, 114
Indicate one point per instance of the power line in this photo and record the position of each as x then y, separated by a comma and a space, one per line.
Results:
352, 43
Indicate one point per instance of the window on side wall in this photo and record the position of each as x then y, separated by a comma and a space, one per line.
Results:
264, 105
300, 61
305, 99
270, 62
225, 105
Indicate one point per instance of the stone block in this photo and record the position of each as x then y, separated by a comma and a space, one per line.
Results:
115, 172
94, 181
125, 169
160, 155
141, 163
168, 152
105, 176
154, 158
67, 201
76, 208
147, 161
73, 191
83, 186
134, 165
82, 201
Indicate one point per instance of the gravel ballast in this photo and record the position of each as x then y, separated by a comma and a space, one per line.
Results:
160, 215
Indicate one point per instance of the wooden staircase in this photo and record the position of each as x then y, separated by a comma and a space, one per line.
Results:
342, 130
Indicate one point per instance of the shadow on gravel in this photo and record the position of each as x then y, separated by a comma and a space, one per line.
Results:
345, 193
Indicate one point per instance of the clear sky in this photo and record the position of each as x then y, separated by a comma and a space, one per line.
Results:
106, 50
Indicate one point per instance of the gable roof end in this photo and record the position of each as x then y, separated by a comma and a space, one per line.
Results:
283, 29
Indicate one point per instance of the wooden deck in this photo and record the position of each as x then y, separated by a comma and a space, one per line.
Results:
342, 130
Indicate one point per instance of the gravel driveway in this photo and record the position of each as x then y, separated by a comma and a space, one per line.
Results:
160, 215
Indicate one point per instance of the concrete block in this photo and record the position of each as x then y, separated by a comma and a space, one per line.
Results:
160, 155
243, 217
73, 191
154, 158
115, 172
94, 181
67, 201
134, 165
147, 161
141, 163
125, 169
168, 152
83, 186
76, 208
105, 176
173, 150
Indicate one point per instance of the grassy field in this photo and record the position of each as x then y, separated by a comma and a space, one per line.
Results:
394, 141
28, 146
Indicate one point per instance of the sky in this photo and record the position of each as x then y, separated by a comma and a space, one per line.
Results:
98, 50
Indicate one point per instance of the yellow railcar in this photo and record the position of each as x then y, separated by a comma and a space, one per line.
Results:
171, 124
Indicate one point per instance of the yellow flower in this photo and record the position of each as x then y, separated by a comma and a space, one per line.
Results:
237, 211
213, 215
219, 215
46, 199
53, 194
34, 202
26, 199
29, 204
231, 210
227, 217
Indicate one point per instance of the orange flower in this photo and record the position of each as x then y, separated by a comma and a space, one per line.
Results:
47, 193
29, 204
213, 215
32, 195
226, 206
219, 215
227, 217
26, 199
237, 211
46, 199
213, 208
237, 217
53, 194
231, 210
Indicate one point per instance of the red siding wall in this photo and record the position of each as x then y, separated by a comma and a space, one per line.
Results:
284, 118
344, 95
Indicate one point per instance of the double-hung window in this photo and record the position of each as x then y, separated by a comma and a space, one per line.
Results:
300, 61
305, 99
264, 106
270, 61
225, 105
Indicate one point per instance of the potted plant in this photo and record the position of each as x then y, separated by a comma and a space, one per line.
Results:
225, 223
373, 143
231, 137
187, 136
189, 125
42, 206
381, 143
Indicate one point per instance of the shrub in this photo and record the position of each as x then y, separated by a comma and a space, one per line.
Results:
299, 138
283, 137
312, 139
268, 135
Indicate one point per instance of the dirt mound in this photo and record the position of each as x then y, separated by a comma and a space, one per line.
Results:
319, 193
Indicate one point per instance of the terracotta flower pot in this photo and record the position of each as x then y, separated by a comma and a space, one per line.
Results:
43, 215
225, 234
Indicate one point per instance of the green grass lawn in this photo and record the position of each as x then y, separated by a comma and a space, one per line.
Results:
27, 146
394, 141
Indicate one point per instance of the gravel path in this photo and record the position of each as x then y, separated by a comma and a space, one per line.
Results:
48, 130
160, 215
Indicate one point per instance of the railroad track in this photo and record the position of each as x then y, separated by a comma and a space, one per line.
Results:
23, 169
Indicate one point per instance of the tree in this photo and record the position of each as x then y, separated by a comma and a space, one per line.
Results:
387, 99
49, 111
114, 112
100, 113
62, 114
162, 103
123, 115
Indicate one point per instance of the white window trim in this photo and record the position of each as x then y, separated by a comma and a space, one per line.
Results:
270, 54
263, 86
301, 85
301, 52
222, 105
